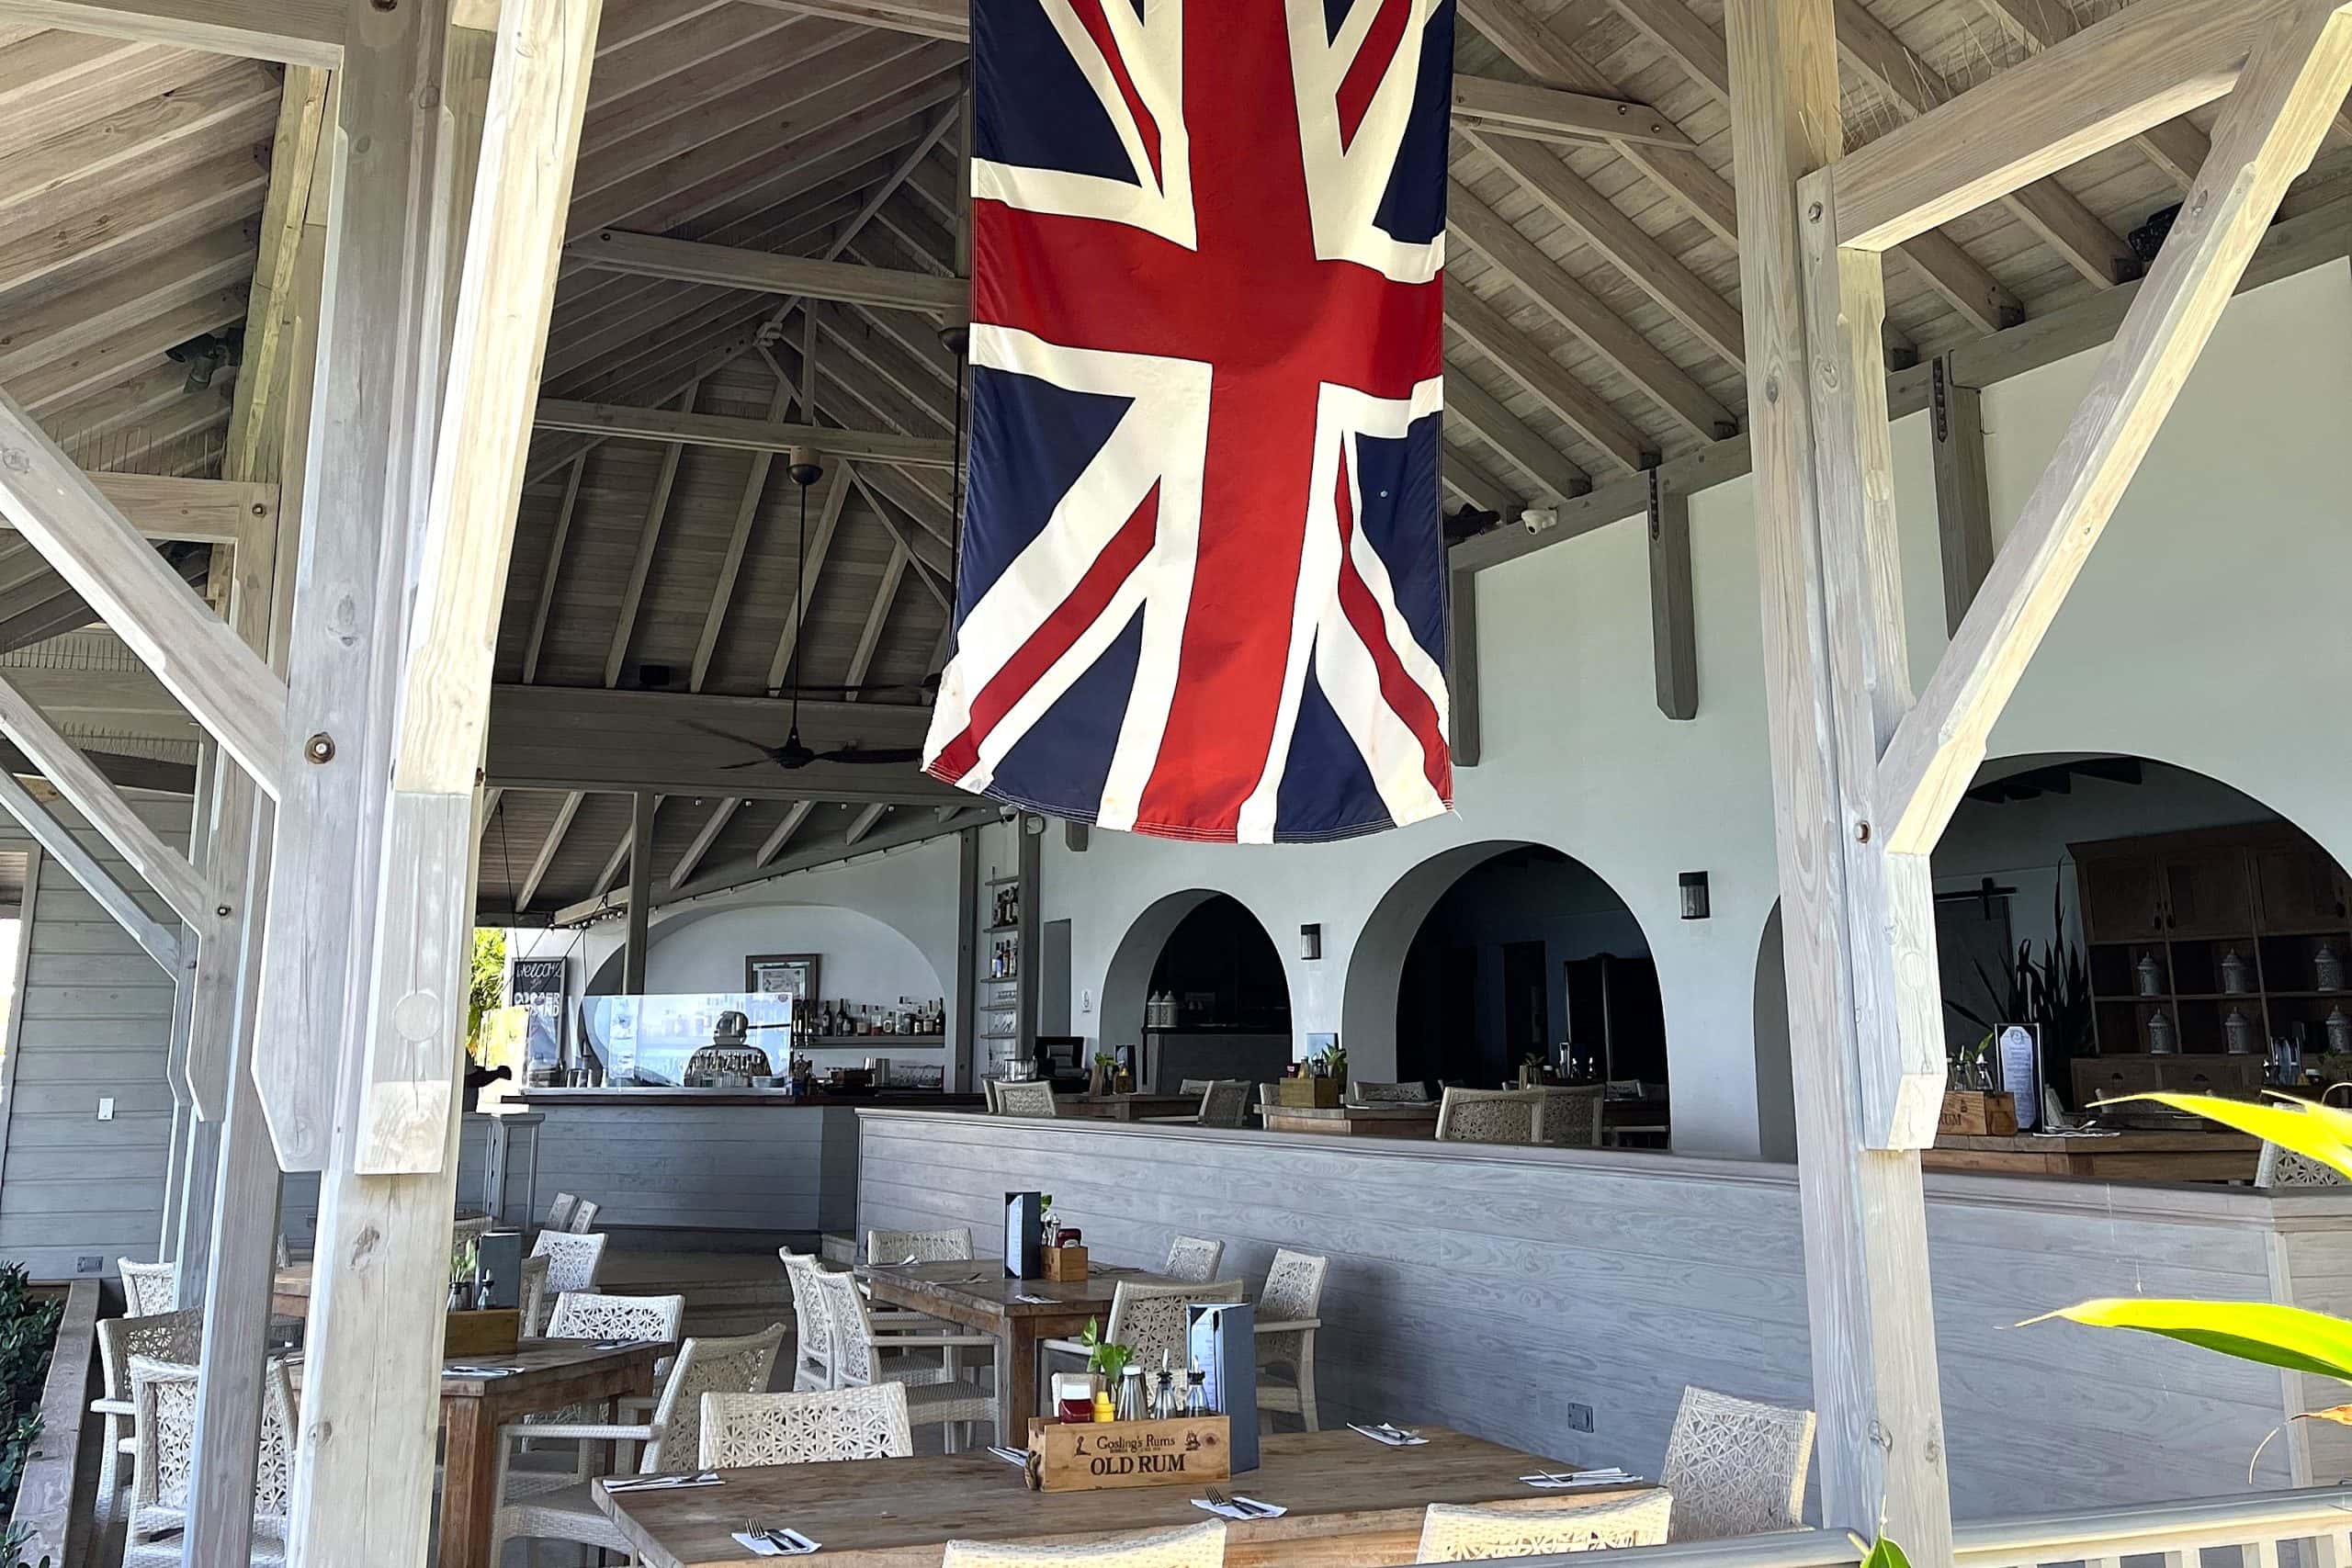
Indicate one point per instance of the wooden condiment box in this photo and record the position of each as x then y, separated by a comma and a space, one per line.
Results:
1065, 1265
494, 1332
1096, 1456
1975, 1113
1307, 1094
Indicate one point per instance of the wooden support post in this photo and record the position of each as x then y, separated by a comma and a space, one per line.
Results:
1462, 666
1674, 641
640, 894
1865, 1220
2271, 125
967, 960
1963, 494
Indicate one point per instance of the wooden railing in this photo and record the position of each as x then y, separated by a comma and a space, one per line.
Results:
45, 1491
2306, 1529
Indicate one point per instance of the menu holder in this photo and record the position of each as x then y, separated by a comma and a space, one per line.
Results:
1025, 1234
1222, 1338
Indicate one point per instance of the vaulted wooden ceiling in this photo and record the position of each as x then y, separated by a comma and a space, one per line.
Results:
1593, 328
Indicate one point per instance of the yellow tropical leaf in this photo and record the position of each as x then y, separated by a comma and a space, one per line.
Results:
2319, 1132
2274, 1336
2339, 1414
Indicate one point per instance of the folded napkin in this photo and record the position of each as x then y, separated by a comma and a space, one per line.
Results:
1547, 1481
762, 1546
1242, 1508
479, 1371
666, 1483
1027, 1299
1395, 1437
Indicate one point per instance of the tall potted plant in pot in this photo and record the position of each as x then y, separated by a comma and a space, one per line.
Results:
2052, 991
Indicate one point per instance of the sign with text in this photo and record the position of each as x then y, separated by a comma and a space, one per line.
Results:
1096, 1456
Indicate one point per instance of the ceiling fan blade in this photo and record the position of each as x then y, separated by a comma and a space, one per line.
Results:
727, 735
876, 755
748, 762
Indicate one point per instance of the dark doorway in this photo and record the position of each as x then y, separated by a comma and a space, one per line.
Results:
1221, 1000
1527, 1016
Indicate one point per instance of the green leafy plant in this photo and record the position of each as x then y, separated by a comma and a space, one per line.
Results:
1886, 1554
1106, 1358
28, 1333
2052, 990
2261, 1332
486, 984
1330, 1064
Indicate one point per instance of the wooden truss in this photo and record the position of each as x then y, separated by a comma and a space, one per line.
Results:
1865, 776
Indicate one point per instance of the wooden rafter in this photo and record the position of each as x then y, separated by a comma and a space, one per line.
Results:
744, 435
302, 32
762, 272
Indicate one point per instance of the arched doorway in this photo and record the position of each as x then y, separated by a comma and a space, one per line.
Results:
1486, 954
2160, 912
1224, 994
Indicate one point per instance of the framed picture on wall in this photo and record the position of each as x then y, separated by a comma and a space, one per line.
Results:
790, 974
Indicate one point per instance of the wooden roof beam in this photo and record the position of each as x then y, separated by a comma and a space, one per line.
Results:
1535, 274
547, 848
704, 838
1486, 417
2175, 146
1574, 404
1549, 113
743, 434
1458, 472
649, 539
647, 255
300, 32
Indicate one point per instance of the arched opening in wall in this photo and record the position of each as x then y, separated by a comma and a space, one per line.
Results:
1487, 956
1197, 989
2153, 926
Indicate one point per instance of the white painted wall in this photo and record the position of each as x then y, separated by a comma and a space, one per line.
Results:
2210, 630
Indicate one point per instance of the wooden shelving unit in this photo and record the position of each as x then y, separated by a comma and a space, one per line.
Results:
2187, 902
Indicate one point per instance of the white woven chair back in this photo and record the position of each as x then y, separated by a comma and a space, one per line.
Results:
848, 1326
1024, 1098
1194, 1258
571, 1260
1225, 1104
2284, 1168
149, 1288
175, 1337
1572, 1117
586, 1315
919, 1246
1475, 1532
1491, 1116
1366, 1092
533, 1294
739, 1430
1151, 1318
163, 1394
738, 1365
1194, 1546
584, 1216
812, 1331
1735, 1467
559, 1212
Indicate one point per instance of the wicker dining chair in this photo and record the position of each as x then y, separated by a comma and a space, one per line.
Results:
589, 1314
1194, 1258
1366, 1092
1572, 1117
467, 1233
148, 1288
1192, 1546
1031, 1099
1225, 1104
584, 1216
987, 1087
1491, 1116
162, 1467
175, 1338
1452, 1532
812, 1335
1735, 1467
667, 1431
743, 1429
1290, 1310
531, 1294
559, 1212
886, 1246
857, 1347
1148, 1319
571, 1260
2281, 1166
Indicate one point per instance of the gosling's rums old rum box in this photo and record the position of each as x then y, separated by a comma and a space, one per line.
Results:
1223, 1338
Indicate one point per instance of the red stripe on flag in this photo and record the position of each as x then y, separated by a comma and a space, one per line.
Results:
1398, 689
1054, 638
1371, 63
1098, 28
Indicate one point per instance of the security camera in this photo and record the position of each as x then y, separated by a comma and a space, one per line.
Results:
1536, 519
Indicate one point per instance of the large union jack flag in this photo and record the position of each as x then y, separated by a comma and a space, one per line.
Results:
1203, 582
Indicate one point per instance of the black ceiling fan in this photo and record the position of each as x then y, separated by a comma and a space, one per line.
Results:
926, 689
805, 470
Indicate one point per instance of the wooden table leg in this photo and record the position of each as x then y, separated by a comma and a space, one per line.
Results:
470, 1483
1016, 1381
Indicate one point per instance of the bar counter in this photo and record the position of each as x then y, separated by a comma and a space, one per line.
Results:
1559, 1299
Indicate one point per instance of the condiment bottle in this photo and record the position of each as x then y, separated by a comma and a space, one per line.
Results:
1131, 1407
1196, 1398
1103, 1404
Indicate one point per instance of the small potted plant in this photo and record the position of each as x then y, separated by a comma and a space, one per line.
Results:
1106, 1358
1099, 1081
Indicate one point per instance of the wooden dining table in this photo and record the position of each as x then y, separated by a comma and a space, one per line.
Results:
549, 1374
1388, 1120
973, 1293
2128, 1155
1126, 1106
1352, 1504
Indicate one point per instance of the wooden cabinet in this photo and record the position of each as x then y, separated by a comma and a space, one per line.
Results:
2109, 1078
2207, 891
2123, 900
2302, 889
